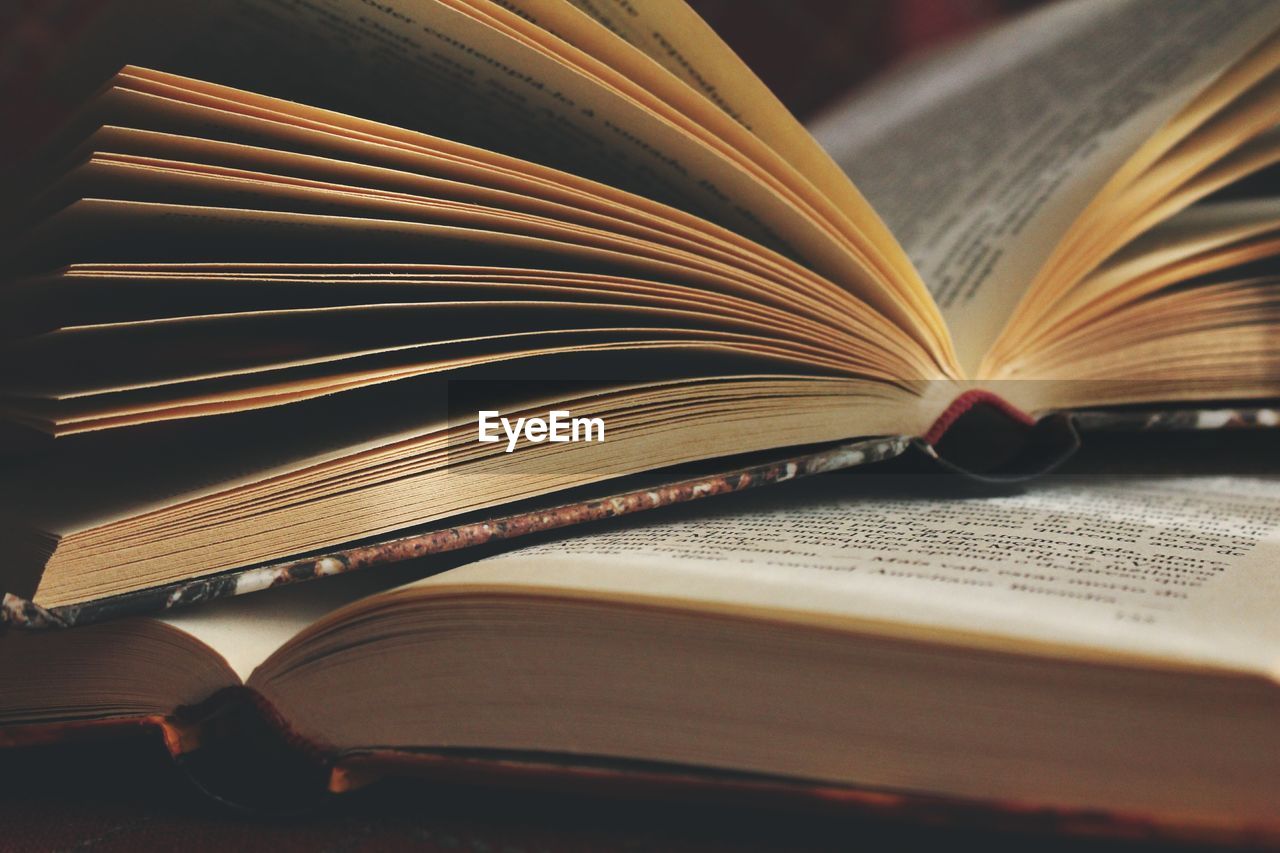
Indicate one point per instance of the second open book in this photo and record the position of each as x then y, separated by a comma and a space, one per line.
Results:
1096, 653
254, 322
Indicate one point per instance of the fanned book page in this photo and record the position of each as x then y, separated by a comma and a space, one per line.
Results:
276, 285
991, 160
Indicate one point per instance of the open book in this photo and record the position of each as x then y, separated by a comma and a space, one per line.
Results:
301, 275
1097, 653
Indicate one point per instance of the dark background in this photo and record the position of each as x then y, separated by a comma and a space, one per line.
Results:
810, 52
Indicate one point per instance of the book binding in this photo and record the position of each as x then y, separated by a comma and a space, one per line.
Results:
980, 436
23, 613
236, 749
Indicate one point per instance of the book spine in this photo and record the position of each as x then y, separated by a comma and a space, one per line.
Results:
983, 437
967, 402
234, 747
25, 736
239, 750
655, 783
